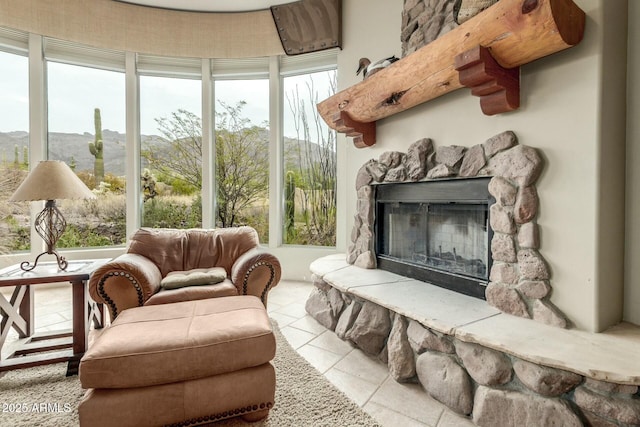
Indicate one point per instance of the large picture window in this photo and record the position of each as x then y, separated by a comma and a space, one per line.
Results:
171, 156
14, 150
242, 154
87, 131
309, 162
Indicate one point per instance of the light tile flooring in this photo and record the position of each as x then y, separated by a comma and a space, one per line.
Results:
365, 380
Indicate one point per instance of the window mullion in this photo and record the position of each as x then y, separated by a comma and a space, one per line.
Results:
275, 153
208, 148
132, 169
37, 122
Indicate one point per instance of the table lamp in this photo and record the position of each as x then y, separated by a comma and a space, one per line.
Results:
50, 180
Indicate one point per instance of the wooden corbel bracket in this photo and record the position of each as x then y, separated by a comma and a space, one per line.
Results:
497, 87
363, 134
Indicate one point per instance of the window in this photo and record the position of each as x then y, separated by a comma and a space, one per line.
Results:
171, 157
14, 151
85, 112
309, 162
242, 154
86, 126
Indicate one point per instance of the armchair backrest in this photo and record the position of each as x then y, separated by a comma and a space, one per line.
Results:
179, 250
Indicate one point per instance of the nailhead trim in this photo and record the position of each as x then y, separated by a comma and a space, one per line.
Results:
221, 415
269, 283
108, 300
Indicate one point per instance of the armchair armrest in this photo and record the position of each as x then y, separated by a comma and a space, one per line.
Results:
255, 272
124, 282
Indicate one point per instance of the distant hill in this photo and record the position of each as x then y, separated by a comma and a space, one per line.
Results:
8, 142
65, 146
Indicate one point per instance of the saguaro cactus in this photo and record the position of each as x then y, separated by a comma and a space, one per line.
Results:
96, 149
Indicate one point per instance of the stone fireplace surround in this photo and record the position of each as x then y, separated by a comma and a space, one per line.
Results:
486, 360
519, 278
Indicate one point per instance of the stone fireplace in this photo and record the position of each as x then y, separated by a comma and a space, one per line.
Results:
483, 359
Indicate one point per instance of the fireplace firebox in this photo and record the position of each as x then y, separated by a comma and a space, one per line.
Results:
436, 231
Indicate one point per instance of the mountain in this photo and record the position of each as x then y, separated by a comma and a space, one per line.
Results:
67, 146
8, 142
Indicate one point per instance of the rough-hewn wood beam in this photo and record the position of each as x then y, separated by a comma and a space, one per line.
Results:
515, 32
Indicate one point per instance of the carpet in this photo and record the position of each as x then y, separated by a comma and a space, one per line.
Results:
43, 396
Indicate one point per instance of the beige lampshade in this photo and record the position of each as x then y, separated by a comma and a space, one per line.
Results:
51, 180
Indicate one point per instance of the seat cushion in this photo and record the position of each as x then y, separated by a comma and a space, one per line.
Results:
167, 343
195, 277
192, 293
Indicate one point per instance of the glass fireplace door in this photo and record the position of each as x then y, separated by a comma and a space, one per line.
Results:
446, 237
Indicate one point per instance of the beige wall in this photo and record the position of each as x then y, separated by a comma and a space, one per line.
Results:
632, 258
564, 114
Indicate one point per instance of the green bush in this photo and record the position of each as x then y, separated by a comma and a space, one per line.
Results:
159, 213
259, 221
19, 237
75, 237
180, 186
116, 183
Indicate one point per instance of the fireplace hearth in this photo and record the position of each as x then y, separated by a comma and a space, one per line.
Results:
436, 231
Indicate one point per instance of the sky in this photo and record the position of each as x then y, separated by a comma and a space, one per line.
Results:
74, 92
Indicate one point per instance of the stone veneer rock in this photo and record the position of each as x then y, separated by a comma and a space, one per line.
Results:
519, 277
423, 21
490, 387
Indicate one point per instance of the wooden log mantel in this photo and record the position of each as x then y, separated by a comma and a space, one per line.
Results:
515, 32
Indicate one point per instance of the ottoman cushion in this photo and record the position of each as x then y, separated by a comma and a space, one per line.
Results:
182, 341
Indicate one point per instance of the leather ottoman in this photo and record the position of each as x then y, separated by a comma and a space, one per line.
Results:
185, 363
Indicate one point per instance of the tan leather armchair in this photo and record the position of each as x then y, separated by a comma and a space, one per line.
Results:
134, 278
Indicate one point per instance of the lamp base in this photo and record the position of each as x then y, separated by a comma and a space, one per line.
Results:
62, 263
50, 225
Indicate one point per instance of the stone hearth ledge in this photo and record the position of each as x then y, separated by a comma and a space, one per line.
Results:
607, 356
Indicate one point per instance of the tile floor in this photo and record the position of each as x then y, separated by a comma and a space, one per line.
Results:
365, 380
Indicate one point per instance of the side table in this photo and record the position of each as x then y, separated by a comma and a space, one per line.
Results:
18, 313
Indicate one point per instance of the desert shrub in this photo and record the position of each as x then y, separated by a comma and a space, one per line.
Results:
11, 233
112, 207
173, 212
101, 220
182, 187
77, 236
117, 184
259, 221
106, 207
88, 178
15, 236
